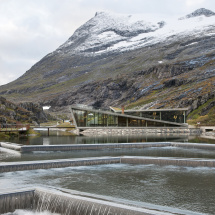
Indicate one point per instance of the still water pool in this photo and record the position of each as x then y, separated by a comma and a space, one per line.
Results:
58, 137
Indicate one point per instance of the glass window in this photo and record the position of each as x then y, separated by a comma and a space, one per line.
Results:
90, 119
121, 121
112, 120
100, 119
132, 122
80, 117
173, 116
155, 124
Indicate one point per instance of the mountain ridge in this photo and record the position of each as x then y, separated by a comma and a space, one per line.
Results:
159, 64
199, 12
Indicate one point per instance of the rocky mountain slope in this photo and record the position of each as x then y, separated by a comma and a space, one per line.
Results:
132, 60
27, 112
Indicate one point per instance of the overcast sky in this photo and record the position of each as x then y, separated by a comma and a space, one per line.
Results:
30, 29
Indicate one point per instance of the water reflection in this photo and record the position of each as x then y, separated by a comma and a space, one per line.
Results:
61, 137
46, 141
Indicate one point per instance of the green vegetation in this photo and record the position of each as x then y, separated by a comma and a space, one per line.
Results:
66, 125
32, 132
4, 136
139, 102
49, 123
208, 119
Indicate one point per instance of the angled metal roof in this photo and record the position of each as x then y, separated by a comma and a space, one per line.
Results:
117, 110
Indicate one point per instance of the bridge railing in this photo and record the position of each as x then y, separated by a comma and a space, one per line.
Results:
14, 127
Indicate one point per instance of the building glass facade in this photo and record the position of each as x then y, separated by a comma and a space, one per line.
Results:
94, 118
171, 116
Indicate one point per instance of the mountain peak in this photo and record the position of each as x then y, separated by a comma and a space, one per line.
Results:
100, 13
199, 12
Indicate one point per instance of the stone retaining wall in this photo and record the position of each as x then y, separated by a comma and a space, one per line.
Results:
130, 131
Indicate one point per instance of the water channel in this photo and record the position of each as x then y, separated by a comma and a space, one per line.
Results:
189, 189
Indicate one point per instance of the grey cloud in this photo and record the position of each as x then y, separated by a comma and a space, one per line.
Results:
30, 29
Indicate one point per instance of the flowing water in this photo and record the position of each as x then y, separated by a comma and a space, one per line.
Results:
183, 188
191, 189
27, 212
10, 156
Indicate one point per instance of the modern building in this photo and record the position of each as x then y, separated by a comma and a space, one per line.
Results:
171, 115
85, 117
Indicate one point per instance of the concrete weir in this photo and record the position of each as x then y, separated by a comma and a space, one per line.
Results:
9, 202
61, 163
66, 204
12, 146
90, 146
73, 147
163, 161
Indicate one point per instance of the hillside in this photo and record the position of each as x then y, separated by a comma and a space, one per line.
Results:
129, 60
11, 113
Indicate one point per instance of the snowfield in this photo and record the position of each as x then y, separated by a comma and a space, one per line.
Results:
108, 32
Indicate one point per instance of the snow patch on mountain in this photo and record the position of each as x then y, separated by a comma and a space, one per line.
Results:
109, 32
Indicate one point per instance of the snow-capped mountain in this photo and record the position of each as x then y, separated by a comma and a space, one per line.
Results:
108, 32
135, 60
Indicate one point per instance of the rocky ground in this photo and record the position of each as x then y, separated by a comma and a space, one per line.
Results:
23, 112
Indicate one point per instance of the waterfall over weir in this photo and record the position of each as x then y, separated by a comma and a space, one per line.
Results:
65, 204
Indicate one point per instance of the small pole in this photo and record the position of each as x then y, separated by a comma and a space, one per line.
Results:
48, 131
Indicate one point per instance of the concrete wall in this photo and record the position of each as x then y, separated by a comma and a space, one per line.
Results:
130, 131
29, 165
169, 161
9, 202
66, 204
73, 147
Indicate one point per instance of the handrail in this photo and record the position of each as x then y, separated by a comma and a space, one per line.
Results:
14, 127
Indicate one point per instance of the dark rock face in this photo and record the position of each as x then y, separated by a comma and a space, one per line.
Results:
200, 12
37, 110
24, 112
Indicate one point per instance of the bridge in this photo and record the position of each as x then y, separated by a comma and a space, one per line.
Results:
16, 127
23, 128
51, 127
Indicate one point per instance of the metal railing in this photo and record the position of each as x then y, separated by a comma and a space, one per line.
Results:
14, 127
